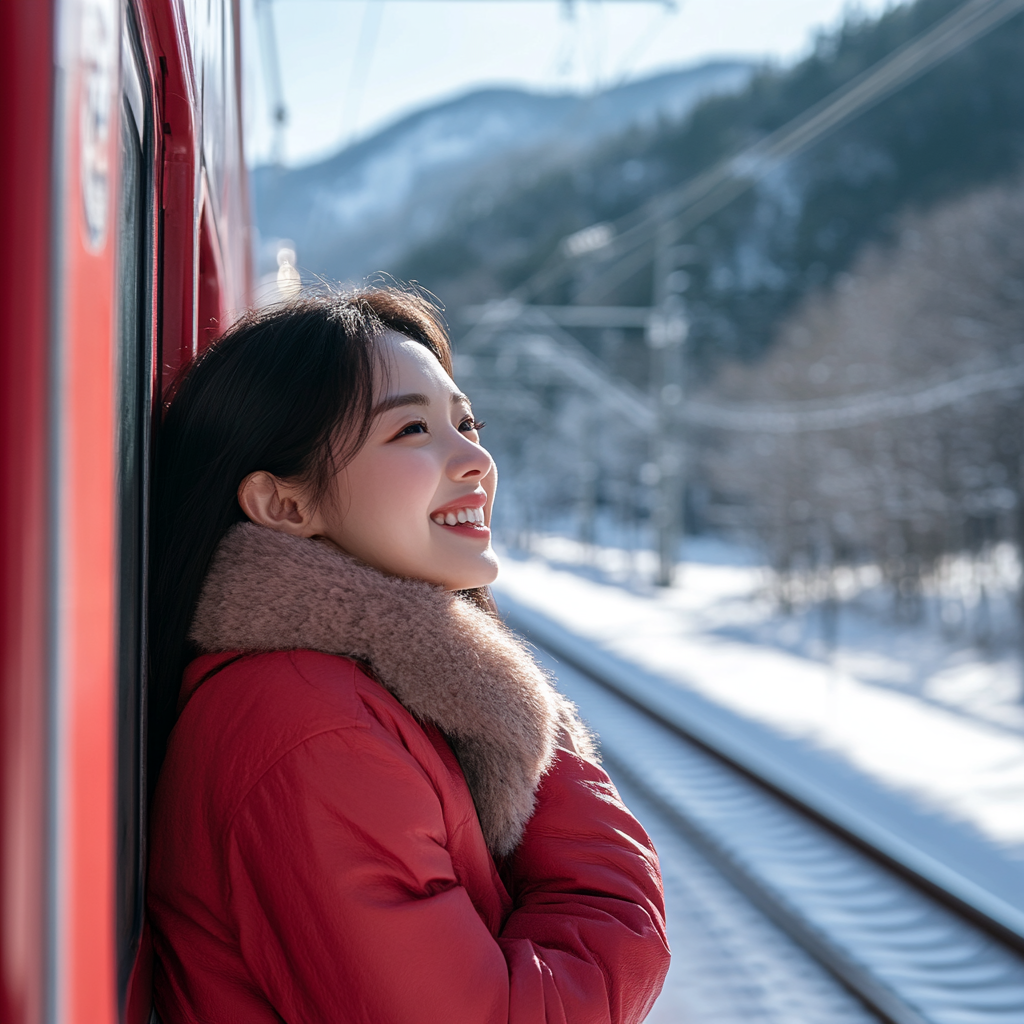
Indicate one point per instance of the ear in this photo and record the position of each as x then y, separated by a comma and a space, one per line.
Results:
278, 504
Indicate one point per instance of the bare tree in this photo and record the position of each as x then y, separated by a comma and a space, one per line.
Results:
943, 301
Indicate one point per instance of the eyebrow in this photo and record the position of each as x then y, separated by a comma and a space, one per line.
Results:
413, 398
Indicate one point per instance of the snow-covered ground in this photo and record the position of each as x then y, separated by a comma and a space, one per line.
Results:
730, 964
940, 725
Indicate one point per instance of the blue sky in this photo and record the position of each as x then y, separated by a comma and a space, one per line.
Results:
351, 66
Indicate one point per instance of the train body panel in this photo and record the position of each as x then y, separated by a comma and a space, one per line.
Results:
26, 32
124, 220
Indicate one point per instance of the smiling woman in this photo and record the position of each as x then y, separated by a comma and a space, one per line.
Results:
415, 499
373, 804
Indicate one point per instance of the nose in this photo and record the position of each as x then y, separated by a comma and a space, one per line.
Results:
468, 460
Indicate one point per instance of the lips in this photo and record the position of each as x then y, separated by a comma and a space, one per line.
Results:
464, 514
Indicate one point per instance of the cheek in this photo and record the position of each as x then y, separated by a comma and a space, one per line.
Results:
396, 487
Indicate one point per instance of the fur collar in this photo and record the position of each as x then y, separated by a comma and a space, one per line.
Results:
444, 658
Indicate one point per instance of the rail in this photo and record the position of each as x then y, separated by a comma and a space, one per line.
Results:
913, 951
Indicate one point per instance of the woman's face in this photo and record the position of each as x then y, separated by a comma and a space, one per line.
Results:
416, 500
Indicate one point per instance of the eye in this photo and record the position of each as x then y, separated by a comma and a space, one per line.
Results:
470, 424
419, 427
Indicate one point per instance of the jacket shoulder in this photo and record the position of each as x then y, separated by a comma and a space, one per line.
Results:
251, 710
295, 688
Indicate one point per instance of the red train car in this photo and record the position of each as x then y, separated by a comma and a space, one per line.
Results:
124, 245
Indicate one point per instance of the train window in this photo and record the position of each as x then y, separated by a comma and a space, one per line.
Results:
208, 300
135, 371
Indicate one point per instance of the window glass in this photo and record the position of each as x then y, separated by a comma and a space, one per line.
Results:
134, 416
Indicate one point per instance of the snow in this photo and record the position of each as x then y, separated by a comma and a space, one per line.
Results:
730, 964
879, 920
937, 727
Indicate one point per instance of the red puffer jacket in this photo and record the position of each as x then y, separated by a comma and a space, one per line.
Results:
316, 857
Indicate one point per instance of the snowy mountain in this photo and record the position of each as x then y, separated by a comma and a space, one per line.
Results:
363, 208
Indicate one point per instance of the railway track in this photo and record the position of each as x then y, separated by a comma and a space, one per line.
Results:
911, 952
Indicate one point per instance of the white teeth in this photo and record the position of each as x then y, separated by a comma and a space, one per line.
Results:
462, 515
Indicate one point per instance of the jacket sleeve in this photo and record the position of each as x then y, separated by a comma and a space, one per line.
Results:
348, 908
590, 911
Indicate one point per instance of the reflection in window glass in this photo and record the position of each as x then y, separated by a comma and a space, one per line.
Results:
133, 471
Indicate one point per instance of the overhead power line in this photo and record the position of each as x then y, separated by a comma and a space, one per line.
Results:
271, 61
839, 413
366, 46
534, 331
670, 4
272, 77
701, 197
564, 316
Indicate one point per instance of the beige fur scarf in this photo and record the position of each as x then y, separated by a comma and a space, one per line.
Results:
444, 658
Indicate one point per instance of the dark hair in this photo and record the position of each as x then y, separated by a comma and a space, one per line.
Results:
289, 390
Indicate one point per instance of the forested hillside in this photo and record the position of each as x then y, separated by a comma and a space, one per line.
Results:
958, 127
367, 205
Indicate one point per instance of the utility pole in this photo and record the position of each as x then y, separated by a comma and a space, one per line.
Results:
272, 73
666, 332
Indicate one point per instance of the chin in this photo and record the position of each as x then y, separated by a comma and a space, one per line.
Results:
481, 573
